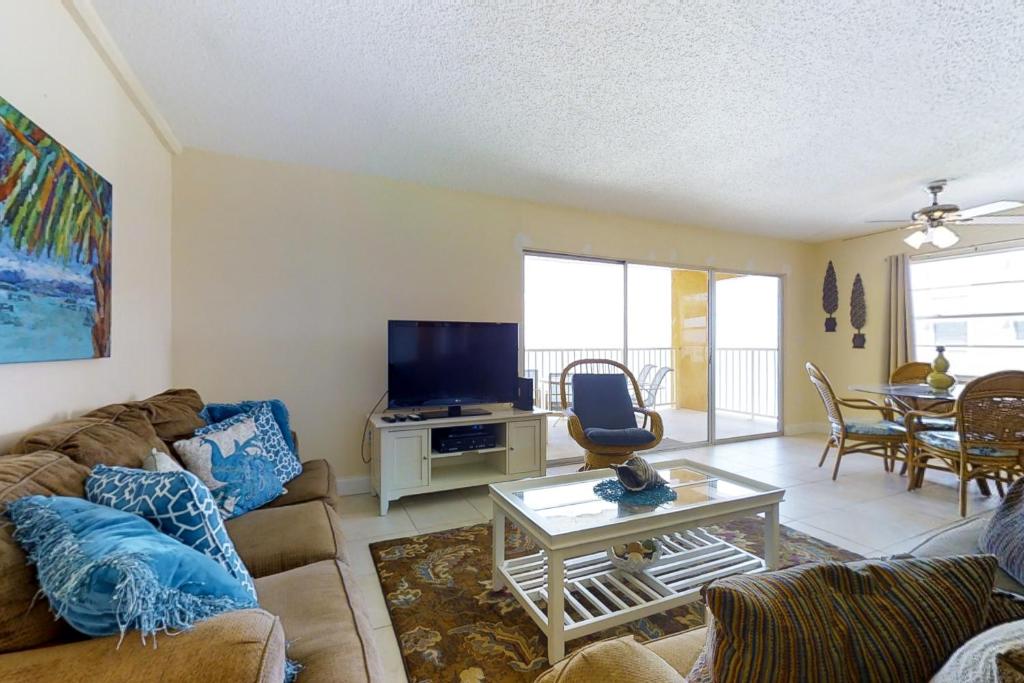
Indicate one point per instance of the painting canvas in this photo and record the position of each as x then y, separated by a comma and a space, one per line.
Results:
55, 246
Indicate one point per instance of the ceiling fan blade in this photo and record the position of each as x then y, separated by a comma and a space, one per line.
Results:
991, 207
881, 232
893, 220
991, 220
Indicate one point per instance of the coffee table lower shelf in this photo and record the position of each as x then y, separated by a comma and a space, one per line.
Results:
597, 595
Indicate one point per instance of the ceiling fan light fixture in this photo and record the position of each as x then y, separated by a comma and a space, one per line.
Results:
943, 238
917, 239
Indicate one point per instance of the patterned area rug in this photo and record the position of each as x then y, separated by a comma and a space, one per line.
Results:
452, 627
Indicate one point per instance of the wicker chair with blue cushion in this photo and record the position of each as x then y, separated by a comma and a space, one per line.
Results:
886, 437
602, 417
989, 439
917, 373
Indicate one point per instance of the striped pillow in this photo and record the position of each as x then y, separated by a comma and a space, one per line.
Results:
894, 620
1004, 535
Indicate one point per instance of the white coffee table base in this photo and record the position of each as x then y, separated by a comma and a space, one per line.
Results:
591, 594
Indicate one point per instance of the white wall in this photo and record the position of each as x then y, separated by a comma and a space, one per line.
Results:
54, 76
285, 277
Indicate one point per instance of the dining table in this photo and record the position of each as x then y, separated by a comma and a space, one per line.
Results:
910, 391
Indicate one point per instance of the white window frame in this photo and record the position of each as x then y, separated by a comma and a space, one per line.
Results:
1010, 245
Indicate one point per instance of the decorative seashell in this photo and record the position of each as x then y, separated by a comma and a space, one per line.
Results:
636, 474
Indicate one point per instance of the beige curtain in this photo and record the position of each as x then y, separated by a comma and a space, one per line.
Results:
901, 317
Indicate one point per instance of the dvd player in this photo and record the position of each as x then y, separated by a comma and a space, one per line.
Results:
468, 438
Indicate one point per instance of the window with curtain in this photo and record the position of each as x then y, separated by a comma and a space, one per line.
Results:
973, 305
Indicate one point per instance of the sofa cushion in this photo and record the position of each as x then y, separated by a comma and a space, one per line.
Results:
895, 620
617, 659
174, 414
316, 482
680, 650
993, 655
324, 621
215, 412
112, 435
24, 620
961, 538
246, 646
273, 540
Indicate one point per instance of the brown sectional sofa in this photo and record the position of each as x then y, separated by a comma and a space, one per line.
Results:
292, 547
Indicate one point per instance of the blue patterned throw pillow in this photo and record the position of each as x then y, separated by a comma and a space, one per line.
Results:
286, 463
232, 461
105, 571
218, 412
178, 504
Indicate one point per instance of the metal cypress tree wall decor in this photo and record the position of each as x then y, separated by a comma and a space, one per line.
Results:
830, 297
858, 312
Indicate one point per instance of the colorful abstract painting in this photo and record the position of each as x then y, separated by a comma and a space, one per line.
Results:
55, 240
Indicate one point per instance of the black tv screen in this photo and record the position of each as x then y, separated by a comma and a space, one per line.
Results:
451, 363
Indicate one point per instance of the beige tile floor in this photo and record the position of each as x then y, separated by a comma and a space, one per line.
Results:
866, 510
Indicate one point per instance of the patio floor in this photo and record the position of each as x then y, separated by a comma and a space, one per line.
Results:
682, 427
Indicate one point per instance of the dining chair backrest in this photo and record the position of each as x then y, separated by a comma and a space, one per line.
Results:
990, 411
917, 373
828, 397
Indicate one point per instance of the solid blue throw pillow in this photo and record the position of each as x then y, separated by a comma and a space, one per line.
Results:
286, 463
106, 571
232, 461
178, 504
218, 412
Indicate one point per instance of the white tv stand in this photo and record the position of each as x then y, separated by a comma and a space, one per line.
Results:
404, 463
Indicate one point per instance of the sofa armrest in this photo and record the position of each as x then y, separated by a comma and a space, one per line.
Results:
244, 646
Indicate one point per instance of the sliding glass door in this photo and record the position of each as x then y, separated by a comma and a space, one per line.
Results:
663, 323
747, 367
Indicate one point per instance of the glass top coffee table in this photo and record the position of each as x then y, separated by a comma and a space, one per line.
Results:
570, 588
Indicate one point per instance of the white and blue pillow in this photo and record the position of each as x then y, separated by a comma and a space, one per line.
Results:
178, 504
286, 463
105, 571
233, 463
218, 412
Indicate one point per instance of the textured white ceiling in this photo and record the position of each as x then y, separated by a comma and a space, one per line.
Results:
799, 119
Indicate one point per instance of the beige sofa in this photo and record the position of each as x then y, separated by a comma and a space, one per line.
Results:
292, 548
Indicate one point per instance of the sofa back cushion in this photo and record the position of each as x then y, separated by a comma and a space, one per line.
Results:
113, 435
26, 621
174, 413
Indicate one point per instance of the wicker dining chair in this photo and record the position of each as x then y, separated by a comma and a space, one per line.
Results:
989, 439
602, 417
885, 438
917, 373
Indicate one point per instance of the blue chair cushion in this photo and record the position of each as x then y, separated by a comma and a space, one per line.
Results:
602, 401
950, 441
631, 436
176, 503
106, 571
880, 428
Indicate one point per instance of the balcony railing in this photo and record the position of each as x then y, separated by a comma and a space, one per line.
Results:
747, 381
746, 378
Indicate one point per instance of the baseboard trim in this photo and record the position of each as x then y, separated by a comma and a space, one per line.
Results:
353, 486
805, 428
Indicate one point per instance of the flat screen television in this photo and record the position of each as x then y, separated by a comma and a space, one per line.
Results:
451, 364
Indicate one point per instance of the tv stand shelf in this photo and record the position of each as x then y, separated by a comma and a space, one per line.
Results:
405, 464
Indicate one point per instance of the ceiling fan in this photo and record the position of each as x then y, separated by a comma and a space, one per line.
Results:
931, 222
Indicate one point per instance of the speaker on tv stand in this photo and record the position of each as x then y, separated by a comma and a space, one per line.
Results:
524, 394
